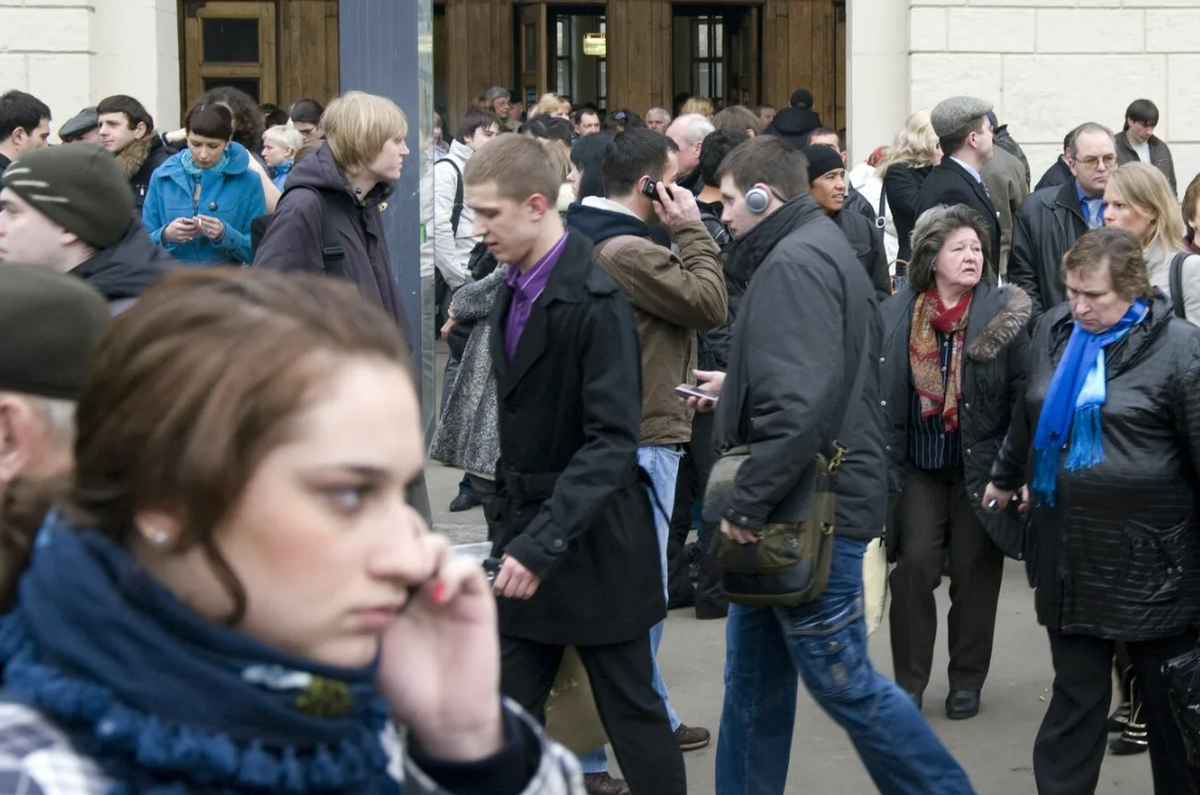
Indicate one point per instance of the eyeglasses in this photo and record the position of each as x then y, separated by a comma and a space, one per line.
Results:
1091, 162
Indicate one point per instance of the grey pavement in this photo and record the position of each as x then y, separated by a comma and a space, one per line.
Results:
995, 747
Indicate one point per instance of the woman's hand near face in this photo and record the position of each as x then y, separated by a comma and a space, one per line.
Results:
440, 662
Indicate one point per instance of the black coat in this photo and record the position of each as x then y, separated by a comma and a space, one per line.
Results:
993, 382
1057, 174
867, 241
807, 319
570, 504
1047, 225
293, 241
902, 184
949, 184
157, 154
1118, 556
121, 273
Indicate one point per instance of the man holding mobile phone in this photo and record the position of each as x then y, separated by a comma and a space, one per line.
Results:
673, 296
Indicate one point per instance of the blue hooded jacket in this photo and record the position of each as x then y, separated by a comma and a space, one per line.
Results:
234, 195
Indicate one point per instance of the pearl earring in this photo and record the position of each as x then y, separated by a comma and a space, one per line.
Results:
156, 537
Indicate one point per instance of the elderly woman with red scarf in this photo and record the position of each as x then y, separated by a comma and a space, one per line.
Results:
952, 370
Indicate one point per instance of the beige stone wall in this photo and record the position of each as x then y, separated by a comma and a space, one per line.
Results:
73, 53
1049, 65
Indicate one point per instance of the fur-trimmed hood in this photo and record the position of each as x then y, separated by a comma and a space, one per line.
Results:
133, 157
1012, 318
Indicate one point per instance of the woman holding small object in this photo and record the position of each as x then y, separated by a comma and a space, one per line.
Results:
201, 201
1112, 418
952, 369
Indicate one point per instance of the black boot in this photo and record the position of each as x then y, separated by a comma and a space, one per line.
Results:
710, 599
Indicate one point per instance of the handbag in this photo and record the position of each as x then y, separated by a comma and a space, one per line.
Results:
571, 717
1182, 675
789, 564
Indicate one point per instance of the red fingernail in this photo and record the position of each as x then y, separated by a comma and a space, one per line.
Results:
439, 593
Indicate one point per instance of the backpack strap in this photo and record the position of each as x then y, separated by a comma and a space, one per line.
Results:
333, 254
1177, 283
456, 213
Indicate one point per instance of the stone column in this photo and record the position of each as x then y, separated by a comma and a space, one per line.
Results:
877, 97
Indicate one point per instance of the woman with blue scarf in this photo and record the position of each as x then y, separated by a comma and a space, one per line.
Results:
1108, 442
201, 201
233, 594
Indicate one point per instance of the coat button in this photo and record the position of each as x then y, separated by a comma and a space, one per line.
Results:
966, 405
558, 543
968, 451
883, 402
881, 360
888, 448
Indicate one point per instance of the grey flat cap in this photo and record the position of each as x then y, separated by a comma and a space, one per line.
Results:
951, 115
86, 119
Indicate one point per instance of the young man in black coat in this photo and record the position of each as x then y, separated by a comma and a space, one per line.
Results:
803, 373
965, 133
572, 515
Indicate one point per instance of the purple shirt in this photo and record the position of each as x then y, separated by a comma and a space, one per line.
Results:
526, 287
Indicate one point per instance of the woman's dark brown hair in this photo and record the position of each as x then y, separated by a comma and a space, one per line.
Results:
1122, 251
933, 229
195, 384
247, 118
210, 121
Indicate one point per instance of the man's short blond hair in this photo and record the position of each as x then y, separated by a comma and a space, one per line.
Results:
357, 125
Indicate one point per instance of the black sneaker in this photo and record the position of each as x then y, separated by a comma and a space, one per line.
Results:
1119, 719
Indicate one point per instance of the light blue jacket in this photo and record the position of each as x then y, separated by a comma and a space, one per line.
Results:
279, 174
235, 196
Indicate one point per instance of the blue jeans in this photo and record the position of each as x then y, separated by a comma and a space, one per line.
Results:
825, 643
662, 464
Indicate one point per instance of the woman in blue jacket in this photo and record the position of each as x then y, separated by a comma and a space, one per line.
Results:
201, 201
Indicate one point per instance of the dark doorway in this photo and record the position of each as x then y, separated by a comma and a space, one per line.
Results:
716, 53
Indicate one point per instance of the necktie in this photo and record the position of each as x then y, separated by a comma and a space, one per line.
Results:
1095, 213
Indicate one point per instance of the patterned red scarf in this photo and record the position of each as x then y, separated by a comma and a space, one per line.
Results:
939, 393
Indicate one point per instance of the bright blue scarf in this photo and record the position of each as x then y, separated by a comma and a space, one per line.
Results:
195, 172
1073, 404
167, 702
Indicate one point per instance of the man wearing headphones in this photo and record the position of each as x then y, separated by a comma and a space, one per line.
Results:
803, 373
673, 296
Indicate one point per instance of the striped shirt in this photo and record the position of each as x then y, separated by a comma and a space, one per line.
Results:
929, 446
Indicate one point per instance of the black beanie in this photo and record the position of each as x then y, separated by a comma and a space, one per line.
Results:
802, 98
77, 186
50, 323
821, 160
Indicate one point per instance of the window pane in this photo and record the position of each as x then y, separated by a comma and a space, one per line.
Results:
719, 39
531, 45
718, 89
249, 85
702, 79
603, 80
702, 38
230, 40
562, 36
564, 72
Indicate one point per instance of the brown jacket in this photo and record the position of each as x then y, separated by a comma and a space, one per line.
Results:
673, 296
1004, 176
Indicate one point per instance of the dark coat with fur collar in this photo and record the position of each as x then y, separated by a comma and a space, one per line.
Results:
138, 162
997, 355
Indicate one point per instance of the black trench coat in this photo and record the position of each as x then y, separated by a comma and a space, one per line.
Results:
996, 354
572, 504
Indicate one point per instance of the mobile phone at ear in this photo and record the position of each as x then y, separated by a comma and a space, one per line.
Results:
650, 192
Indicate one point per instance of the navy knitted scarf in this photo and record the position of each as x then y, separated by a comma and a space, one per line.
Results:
167, 702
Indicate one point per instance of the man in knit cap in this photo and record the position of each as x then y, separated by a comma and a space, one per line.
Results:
827, 183
69, 209
50, 324
965, 133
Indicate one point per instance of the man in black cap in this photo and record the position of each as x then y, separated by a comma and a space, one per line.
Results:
827, 183
965, 133
69, 209
83, 126
50, 324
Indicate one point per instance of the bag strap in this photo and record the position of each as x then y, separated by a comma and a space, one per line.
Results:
333, 254
835, 451
881, 220
1177, 283
456, 213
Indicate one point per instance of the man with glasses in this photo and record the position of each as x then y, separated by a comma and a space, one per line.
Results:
1052, 219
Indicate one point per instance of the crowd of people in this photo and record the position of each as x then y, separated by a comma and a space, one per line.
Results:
229, 461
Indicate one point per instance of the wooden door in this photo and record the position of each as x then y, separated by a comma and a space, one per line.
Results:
744, 64
535, 51
229, 44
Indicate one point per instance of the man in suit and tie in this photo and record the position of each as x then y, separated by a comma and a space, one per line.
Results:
965, 132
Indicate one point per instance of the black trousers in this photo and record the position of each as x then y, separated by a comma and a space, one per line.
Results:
935, 507
632, 712
1070, 744
694, 470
